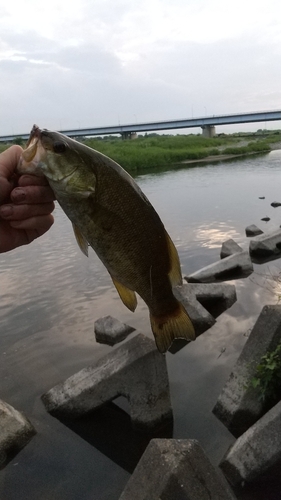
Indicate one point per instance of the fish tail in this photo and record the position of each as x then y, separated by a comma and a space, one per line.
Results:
175, 326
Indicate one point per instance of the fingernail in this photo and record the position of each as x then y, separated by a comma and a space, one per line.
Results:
18, 195
6, 210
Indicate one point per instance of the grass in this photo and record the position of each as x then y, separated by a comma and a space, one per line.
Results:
151, 152
267, 379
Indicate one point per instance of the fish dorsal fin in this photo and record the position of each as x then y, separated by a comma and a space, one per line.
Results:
127, 296
174, 274
81, 240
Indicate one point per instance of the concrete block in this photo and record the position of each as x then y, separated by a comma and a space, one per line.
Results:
135, 370
253, 230
110, 331
239, 405
229, 247
174, 469
257, 452
15, 432
266, 245
204, 303
232, 267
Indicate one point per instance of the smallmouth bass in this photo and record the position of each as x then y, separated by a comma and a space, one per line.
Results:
110, 213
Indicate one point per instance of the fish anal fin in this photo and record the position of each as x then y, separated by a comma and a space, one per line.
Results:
81, 240
127, 296
174, 274
168, 328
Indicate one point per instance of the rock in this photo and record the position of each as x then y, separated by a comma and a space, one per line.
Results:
265, 219
203, 302
15, 432
109, 330
135, 370
229, 247
253, 230
266, 245
232, 267
257, 452
174, 469
239, 405
275, 204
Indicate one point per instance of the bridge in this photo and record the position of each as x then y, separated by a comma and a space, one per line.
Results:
207, 123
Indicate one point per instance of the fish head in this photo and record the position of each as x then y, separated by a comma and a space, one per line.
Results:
51, 154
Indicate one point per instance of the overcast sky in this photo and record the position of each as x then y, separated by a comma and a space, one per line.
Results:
74, 64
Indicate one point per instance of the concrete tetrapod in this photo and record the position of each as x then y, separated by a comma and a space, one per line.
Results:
175, 469
229, 247
135, 370
109, 330
239, 404
15, 432
257, 452
266, 246
203, 302
253, 230
235, 266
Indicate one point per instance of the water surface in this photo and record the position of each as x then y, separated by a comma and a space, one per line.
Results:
51, 295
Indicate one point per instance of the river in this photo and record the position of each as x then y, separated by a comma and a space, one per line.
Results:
51, 295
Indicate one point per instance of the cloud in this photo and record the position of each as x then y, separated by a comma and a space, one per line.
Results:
100, 63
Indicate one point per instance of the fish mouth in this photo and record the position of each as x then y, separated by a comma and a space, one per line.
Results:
31, 147
34, 134
38, 139
35, 152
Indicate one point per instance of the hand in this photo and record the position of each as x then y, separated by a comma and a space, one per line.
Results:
26, 203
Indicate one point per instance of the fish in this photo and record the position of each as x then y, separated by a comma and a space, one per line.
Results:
110, 213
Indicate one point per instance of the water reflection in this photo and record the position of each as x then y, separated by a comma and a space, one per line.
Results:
212, 235
51, 294
109, 430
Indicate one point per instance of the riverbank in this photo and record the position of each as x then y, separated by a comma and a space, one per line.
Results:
223, 157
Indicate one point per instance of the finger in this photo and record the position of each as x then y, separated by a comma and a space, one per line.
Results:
32, 180
21, 212
9, 160
32, 195
39, 224
8, 163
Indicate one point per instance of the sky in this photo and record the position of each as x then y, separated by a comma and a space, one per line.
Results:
68, 64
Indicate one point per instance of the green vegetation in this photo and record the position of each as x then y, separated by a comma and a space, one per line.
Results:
148, 152
155, 151
252, 147
267, 379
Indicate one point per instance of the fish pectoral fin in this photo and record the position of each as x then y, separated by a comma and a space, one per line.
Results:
81, 240
127, 296
78, 187
80, 193
174, 274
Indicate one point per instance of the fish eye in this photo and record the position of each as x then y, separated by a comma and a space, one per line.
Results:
59, 147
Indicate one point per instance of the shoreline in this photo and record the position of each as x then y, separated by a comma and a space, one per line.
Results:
223, 157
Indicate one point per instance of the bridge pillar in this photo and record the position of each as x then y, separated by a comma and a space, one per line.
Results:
208, 131
129, 135
125, 135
